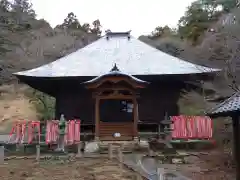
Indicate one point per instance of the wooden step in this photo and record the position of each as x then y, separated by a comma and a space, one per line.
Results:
107, 130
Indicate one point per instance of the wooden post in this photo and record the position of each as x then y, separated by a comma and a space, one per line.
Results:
110, 151
18, 147
159, 130
135, 126
1, 154
150, 152
160, 174
38, 152
120, 154
97, 119
235, 124
79, 147
120, 157
138, 176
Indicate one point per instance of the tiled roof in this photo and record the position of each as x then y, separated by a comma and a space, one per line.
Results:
131, 55
232, 104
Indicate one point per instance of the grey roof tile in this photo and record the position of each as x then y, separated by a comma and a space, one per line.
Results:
232, 104
130, 54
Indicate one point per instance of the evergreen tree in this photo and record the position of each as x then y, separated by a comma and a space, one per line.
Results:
71, 22
96, 27
86, 27
21, 15
4, 20
23, 6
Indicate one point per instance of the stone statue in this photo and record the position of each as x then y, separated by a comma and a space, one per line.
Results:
62, 127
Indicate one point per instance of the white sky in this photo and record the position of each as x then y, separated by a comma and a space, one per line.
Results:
140, 16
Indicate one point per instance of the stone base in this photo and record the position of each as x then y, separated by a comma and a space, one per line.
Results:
96, 139
136, 140
92, 147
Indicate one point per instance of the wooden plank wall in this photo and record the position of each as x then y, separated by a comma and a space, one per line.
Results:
154, 101
106, 131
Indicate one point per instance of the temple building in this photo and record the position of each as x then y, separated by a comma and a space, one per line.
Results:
115, 84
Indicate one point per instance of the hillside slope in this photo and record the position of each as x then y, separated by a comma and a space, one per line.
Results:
14, 105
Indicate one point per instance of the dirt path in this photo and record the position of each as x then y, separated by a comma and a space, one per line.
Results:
84, 169
208, 166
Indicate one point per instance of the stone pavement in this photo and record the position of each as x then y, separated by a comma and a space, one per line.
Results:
148, 167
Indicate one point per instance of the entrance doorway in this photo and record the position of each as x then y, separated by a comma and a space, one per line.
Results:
116, 110
116, 119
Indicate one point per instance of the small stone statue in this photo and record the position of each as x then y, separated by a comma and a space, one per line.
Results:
62, 127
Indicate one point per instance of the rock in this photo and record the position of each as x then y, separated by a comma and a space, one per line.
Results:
144, 143
177, 161
91, 147
62, 162
24, 174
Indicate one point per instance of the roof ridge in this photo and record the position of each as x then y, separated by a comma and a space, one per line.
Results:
110, 33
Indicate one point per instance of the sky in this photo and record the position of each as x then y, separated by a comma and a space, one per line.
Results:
139, 16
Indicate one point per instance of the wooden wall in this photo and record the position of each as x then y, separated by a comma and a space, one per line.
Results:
76, 105
157, 99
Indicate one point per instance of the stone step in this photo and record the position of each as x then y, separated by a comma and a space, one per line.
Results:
103, 145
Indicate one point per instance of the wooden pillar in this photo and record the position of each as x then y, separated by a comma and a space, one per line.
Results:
120, 157
135, 126
38, 152
79, 148
110, 151
1, 154
97, 119
235, 123
160, 174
